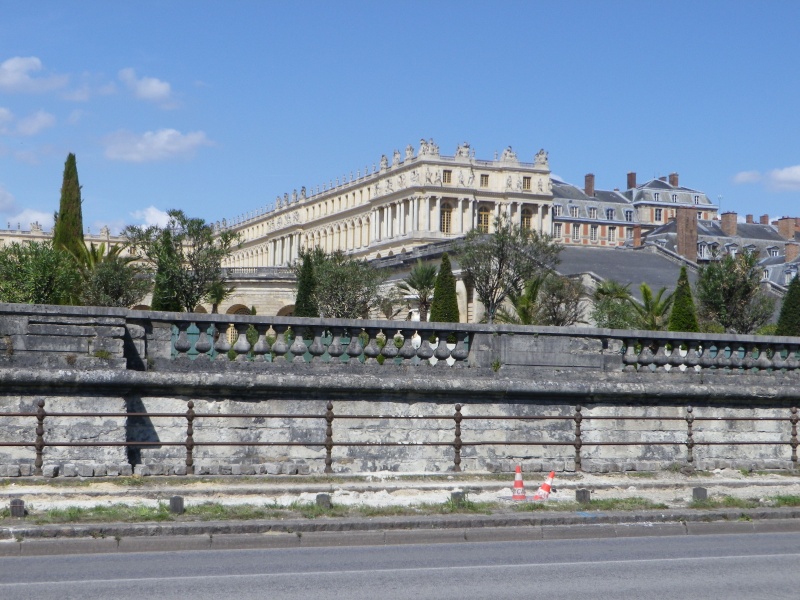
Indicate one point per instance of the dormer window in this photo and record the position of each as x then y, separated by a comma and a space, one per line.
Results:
696, 199
573, 211
557, 210
674, 197
656, 196
629, 216
765, 274
772, 251
609, 214
592, 213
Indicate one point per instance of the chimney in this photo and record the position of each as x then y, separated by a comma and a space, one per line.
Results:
763, 220
687, 232
637, 236
631, 180
588, 186
786, 227
748, 219
664, 178
791, 251
729, 223
673, 179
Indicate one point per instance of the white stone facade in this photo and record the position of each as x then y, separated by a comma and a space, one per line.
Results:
412, 201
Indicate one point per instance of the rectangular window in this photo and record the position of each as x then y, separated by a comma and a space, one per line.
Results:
484, 181
674, 197
576, 231
629, 233
656, 196
593, 233
446, 219
557, 210
610, 214
592, 213
657, 217
573, 211
629, 216
447, 177
557, 230
697, 199
699, 214
526, 184
612, 234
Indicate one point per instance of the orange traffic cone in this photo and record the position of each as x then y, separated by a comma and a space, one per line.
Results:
518, 493
543, 493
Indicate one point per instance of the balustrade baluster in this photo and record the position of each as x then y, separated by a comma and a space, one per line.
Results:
222, 345
389, 350
424, 352
203, 344
660, 358
692, 358
242, 346
335, 348
182, 343
708, 357
763, 362
280, 347
261, 349
317, 349
442, 352
778, 362
630, 358
791, 357
723, 360
371, 350
676, 359
407, 352
461, 352
298, 347
354, 348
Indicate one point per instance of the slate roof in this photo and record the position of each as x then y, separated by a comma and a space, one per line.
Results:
625, 265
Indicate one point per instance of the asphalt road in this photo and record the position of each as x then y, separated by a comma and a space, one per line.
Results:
702, 567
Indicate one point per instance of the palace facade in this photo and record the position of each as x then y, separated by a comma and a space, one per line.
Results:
410, 201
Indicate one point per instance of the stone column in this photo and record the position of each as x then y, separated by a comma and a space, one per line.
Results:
460, 205
415, 213
438, 214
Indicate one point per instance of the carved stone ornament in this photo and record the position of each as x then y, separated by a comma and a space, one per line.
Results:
463, 151
541, 159
509, 154
384, 162
409, 152
396, 158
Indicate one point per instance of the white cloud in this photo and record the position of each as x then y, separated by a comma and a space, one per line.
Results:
154, 145
147, 88
81, 94
15, 76
7, 202
35, 123
747, 177
151, 216
75, 116
28, 216
787, 178
6, 116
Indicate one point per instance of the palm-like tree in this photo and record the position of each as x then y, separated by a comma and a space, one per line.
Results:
653, 312
420, 283
88, 258
217, 293
524, 305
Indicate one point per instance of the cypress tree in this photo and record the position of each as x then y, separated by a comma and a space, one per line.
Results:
165, 296
306, 304
68, 229
445, 302
683, 316
789, 320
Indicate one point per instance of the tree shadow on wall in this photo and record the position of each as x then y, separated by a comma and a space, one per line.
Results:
139, 429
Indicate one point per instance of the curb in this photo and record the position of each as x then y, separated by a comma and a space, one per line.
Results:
229, 535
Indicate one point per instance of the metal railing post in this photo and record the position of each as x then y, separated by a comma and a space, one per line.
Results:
329, 437
40, 414
457, 442
190, 438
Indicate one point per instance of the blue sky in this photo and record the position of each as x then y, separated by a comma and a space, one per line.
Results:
218, 107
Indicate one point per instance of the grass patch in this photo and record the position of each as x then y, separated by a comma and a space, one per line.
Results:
387, 511
311, 510
635, 503
786, 500
724, 502
103, 514
213, 511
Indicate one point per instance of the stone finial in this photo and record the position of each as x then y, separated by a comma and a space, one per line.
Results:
409, 152
396, 158
384, 162
541, 159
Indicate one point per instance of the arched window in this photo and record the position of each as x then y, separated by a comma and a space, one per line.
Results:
484, 213
446, 219
527, 218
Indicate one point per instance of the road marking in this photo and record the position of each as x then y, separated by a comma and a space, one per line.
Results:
401, 570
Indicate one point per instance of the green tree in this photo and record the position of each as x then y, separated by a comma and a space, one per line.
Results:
444, 308
344, 288
683, 316
37, 273
108, 278
68, 228
728, 294
500, 262
559, 302
612, 307
421, 283
306, 305
789, 319
653, 313
217, 293
522, 307
186, 255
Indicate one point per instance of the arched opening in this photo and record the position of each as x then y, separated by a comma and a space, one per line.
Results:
141, 307
199, 309
286, 311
